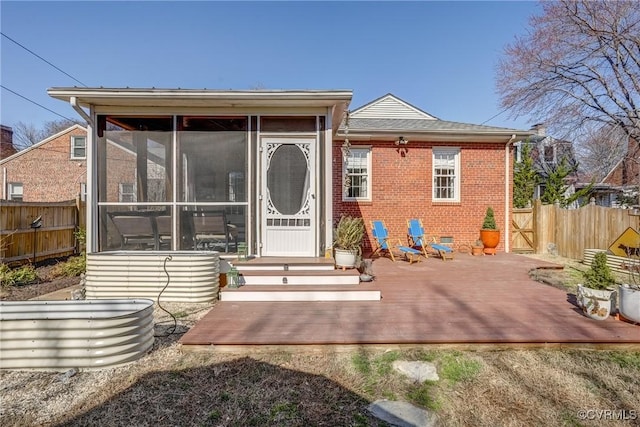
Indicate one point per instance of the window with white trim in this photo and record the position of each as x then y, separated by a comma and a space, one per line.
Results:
446, 174
126, 192
357, 174
15, 191
78, 147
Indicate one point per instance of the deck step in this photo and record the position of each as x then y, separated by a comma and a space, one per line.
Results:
300, 277
285, 264
298, 295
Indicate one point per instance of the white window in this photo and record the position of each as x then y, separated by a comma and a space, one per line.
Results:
15, 191
357, 174
446, 174
78, 147
127, 193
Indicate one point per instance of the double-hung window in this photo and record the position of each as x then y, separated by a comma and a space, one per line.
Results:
126, 192
357, 174
446, 174
15, 191
78, 147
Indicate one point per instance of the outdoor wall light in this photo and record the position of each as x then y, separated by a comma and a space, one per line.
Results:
401, 141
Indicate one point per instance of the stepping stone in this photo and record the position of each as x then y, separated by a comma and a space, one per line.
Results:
401, 414
417, 371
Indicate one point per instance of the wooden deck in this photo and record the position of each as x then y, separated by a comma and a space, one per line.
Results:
470, 300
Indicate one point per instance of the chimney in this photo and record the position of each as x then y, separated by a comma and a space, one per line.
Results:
540, 129
6, 143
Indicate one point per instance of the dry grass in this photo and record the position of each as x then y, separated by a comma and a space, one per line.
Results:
169, 387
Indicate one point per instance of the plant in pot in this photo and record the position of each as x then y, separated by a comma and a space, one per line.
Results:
595, 296
477, 248
347, 241
489, 233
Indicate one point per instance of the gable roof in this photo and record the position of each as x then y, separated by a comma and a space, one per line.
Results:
390, 107
391, 116
44, 141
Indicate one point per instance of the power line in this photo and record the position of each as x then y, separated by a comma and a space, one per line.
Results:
488, 120
41, 58
34, 102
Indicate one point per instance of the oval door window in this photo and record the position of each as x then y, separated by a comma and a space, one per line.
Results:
288, 179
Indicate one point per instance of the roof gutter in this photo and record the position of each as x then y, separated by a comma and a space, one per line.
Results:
507, 199
74, 103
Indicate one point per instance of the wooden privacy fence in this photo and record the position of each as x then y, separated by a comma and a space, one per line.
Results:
571, 231
55, 238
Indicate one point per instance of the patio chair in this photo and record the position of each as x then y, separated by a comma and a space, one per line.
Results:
417, 239
381, 239
211, 230
164, 226
135, 230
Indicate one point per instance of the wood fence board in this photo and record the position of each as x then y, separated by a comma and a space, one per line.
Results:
55, 238
574, 230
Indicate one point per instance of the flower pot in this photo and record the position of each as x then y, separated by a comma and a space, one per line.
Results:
345, 259
595, 303
490, 240
477, 250
629, 306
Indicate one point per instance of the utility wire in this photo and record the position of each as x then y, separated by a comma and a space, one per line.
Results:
41, 58
34, 102
488, 120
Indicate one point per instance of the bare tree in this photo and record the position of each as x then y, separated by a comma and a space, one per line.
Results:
578, 65
26, 134
600, 150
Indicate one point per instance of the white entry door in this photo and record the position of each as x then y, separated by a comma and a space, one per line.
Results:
288, 196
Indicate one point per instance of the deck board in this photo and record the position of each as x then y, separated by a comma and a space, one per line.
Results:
467, 300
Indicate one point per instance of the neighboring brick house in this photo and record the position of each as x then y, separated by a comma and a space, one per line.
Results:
404, 163
51, 170
619, 188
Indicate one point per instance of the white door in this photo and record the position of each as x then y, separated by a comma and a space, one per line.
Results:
288, 198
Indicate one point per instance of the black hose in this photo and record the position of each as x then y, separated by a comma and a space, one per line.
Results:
175, 321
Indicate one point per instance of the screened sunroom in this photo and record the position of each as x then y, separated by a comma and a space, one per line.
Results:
225, 171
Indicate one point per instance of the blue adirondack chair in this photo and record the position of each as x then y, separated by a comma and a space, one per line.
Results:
381, 239
417, 239
381, 235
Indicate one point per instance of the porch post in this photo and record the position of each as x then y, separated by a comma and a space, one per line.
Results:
328, 181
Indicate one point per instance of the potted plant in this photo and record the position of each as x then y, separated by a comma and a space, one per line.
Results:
347, 242
595, 296
489, 233
477, 248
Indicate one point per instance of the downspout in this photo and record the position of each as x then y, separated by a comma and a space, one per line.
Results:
507, 228
91, 213
74, 103
4, 184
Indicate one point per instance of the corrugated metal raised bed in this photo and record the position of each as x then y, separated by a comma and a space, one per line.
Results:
85, 334
193, 276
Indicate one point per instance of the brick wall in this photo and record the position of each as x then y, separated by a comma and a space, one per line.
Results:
47, 172
402, 189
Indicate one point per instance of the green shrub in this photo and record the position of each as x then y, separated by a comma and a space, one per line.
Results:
599, 275
489, 222
24, 275
73, 266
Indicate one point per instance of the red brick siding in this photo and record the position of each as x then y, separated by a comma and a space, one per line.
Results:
402, 189
47, 172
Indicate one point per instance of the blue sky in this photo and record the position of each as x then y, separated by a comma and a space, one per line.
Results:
438, 56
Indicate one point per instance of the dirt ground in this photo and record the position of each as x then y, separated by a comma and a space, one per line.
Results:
169, 387
48, 283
